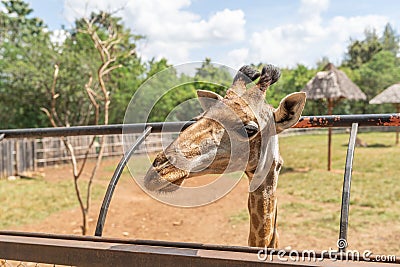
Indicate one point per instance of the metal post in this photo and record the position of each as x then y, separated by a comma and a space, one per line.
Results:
330, 109
344, 213
114, 180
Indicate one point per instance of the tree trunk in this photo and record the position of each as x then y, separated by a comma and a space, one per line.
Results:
84, 221
397, 128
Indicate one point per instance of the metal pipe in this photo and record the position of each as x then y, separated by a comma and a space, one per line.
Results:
344, 212
114, 180
96, 129
304, 122
348, 120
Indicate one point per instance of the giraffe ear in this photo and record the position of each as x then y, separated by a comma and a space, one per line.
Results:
207, 98
289, 111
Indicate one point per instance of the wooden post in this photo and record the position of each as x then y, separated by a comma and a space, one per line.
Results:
397, 128
330, 108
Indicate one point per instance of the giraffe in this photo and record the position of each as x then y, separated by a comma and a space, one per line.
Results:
230, 123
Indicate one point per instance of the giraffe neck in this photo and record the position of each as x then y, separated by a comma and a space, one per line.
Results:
262, 205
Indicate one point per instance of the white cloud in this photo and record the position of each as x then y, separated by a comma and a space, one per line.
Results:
310, 39
171, 31
237, 58
313, 7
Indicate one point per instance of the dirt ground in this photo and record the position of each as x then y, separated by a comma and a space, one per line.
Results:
135, 215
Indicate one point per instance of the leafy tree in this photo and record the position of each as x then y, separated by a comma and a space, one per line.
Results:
380, 72
293, 80
171, 90
16, 25
125, 82
212, 78
360, 52
26, 60
390, 40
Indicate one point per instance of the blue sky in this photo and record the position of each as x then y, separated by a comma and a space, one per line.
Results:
234, 32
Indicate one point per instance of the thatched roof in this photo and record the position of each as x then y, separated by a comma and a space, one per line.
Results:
389, 95
332, 83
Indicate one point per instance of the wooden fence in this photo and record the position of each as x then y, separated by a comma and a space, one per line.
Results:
18, 156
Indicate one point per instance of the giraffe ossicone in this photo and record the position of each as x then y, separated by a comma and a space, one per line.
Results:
237, 132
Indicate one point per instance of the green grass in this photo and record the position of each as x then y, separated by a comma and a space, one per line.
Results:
375, 173
309, 197
240, 217
26, 201
375, 190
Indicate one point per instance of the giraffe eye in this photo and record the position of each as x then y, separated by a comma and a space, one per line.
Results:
251, 129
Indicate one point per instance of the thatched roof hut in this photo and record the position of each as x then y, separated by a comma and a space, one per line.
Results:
334, 84
389, 95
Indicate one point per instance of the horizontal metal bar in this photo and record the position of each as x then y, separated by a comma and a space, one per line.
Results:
348, 120
95, 129
86, 253
305, 122
250, 253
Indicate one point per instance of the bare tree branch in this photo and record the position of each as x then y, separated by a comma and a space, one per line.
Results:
99, 99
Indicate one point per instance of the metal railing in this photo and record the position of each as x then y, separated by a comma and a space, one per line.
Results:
304, 122
353, 121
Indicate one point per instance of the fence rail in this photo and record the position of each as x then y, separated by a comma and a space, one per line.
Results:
304, 122
95, 251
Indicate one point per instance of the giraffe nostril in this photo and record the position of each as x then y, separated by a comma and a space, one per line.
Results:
171, 159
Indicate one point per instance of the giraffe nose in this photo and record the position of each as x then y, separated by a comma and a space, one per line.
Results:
171, 159
163, 160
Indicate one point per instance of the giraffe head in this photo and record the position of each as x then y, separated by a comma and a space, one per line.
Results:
227, 137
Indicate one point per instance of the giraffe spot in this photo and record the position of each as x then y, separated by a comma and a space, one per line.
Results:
260, 206
255, 220
252, 198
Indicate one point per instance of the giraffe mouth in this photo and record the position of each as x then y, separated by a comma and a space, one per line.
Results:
164, 176
155, 182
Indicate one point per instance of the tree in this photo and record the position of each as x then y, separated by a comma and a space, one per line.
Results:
380, 72
390, 40
169, 89
293, 80
110, 45
125, 82
212, 78
26, 60
360, 52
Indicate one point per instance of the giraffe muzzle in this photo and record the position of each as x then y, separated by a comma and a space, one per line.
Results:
163, 175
